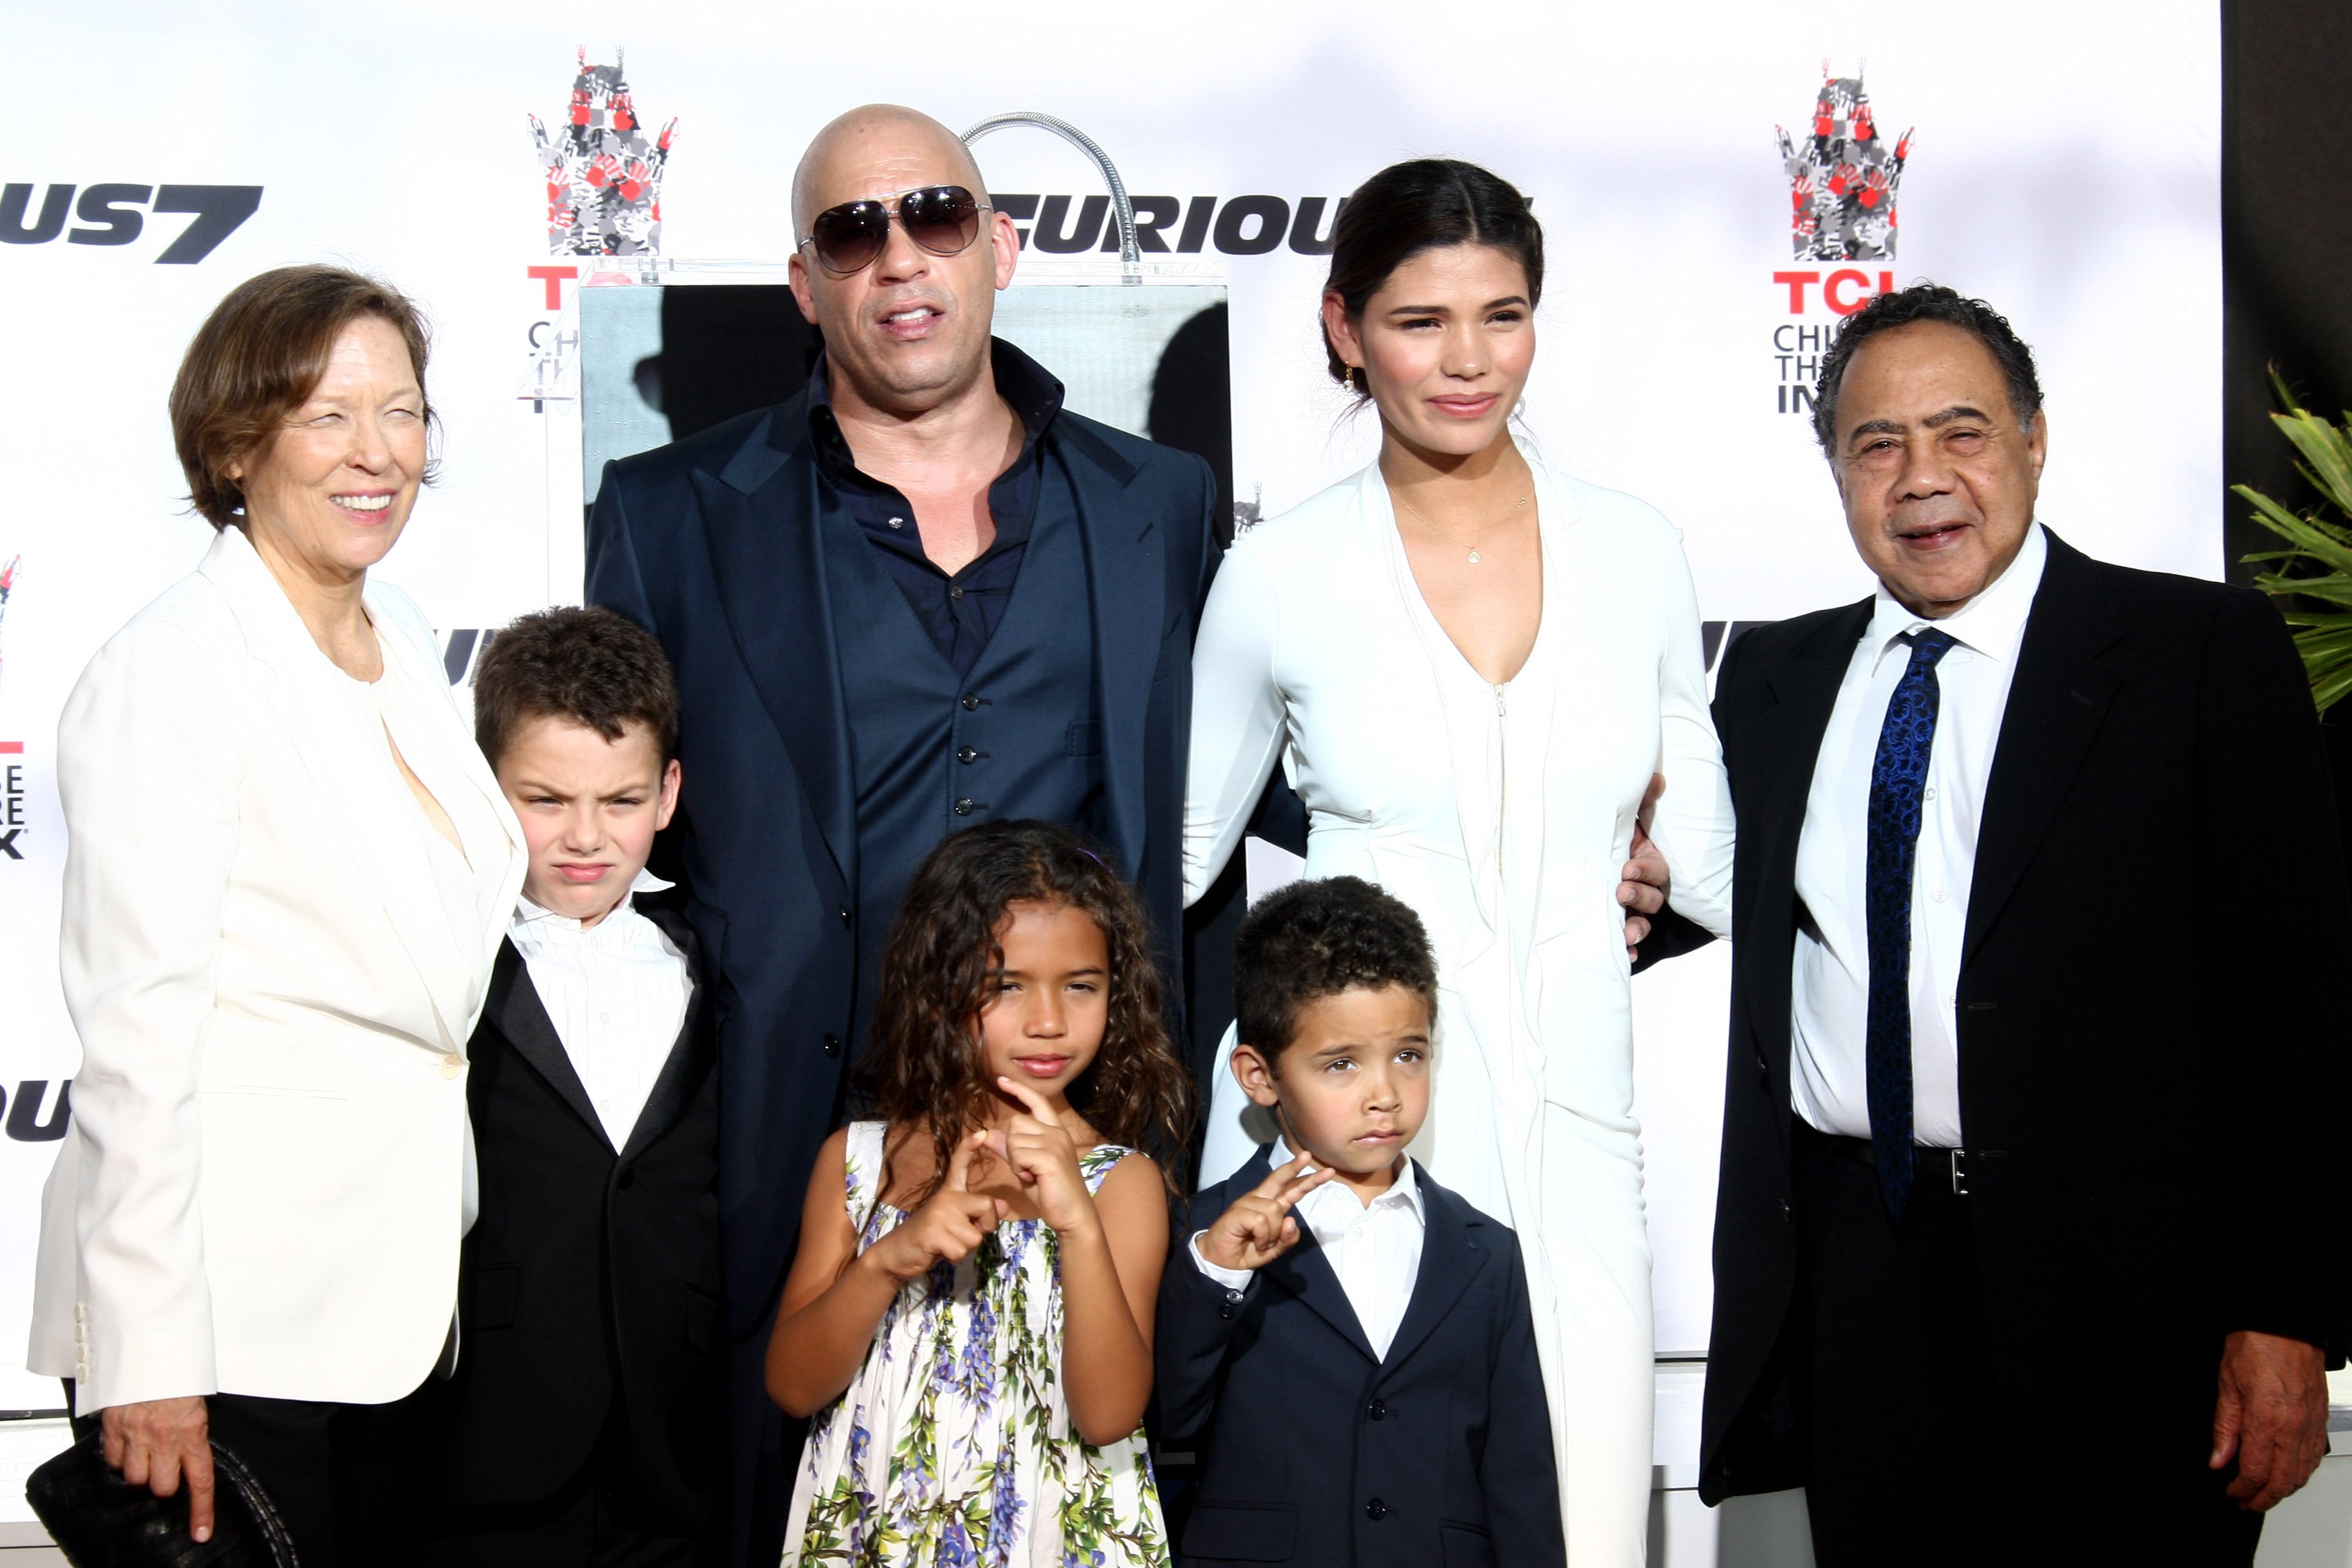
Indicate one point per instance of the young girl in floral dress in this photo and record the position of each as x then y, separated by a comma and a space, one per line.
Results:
969, 1318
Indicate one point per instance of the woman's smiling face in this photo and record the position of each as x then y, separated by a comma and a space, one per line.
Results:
334, 487
1444, 346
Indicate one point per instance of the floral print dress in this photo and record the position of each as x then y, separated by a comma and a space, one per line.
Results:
952, 1444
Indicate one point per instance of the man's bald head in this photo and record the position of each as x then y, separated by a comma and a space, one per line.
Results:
874, 139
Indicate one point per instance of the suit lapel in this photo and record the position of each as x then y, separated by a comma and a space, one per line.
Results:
761, 513
1452, 1255
2057, 700
350, 764
520, 1018
424, 672
689, 1056
1125, 577
1788, 737
1307, 1274
1304, 1270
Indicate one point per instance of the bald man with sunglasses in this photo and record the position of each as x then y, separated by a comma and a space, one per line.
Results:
917, 596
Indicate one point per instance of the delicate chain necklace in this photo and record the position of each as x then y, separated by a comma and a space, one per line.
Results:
1443, 534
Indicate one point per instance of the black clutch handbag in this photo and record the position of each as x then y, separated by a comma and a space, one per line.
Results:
101, 1521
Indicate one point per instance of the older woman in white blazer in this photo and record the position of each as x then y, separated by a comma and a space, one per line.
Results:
288, 873
1472, 668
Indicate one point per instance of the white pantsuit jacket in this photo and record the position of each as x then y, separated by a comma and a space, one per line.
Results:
1502, 815
264, 1186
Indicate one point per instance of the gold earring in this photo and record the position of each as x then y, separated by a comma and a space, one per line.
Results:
1348, 377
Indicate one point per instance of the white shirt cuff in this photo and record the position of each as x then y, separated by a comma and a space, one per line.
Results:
1235, 1279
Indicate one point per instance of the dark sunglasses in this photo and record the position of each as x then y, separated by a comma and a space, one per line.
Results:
943, 219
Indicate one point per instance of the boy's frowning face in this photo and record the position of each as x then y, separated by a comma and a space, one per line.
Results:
1353, 1084
590, 808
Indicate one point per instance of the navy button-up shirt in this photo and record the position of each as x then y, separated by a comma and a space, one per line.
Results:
959, 610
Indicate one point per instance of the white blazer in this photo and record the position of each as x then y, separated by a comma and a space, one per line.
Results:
263, 1188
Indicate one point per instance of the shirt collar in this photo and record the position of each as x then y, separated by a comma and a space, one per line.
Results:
1028, 388
543, 922
1334, 1206
1990, 624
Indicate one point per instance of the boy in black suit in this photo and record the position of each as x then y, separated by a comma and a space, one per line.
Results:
584, 1422
1362, 1387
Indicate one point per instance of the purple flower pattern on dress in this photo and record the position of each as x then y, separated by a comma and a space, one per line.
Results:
958, 1449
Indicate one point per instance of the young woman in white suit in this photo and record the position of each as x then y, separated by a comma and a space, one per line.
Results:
1471, 667
288, 872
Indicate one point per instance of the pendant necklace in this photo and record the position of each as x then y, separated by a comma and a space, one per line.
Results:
1443, 534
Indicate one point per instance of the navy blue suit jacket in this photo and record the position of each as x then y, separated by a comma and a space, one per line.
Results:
711, 544
1313, 1451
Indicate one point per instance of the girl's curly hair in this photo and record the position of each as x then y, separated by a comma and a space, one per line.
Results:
925, 1067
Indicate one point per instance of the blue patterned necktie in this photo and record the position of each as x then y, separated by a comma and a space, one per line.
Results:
1896, 779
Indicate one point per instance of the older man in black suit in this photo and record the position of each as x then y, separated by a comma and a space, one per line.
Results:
918, 595
2032, 1241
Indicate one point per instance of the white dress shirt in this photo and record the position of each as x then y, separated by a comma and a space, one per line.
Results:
616, 993
1374, 1248
1830, 1081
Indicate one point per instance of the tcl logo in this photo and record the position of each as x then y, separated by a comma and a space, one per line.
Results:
112, 215
1844, 291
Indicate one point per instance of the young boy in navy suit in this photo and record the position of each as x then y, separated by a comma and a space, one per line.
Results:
1346, 1344
584, 1422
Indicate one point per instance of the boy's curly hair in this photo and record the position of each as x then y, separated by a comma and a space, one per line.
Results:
1315, 939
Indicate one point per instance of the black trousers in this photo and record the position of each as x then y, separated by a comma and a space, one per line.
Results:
1915, 1456
339, 1474
597, 1519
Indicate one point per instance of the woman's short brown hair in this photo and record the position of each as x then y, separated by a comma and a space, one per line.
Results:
257, 359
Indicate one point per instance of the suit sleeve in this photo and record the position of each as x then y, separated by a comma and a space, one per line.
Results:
1237, 714
1205, 566
1516, 1471
148, 777
613, 578
2280, 956
1692, 823
1196, 1324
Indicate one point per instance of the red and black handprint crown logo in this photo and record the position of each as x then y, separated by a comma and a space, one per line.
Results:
604, 175
1842, 178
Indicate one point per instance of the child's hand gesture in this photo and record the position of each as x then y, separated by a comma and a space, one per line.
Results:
949, 1225
1259, 1228
1038, 1149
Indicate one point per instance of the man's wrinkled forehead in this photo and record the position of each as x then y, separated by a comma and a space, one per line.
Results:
874, 154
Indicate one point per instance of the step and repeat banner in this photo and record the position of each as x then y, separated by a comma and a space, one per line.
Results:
1718, 191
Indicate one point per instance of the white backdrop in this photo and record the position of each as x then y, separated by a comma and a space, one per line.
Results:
2065, 168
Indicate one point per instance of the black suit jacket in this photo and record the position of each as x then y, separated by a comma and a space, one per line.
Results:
2153, 1045
711, 544
1314, 1451
591, 1276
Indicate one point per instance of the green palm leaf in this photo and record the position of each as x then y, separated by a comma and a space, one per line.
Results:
2314, 572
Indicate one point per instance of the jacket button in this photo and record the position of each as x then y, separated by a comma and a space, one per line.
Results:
845, 916
628, 1179
452, 1065
963, 807
833, 1044
1788, 1216
966, 755
1376, 1510
1224, 1308
971, 703
1380, 1410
